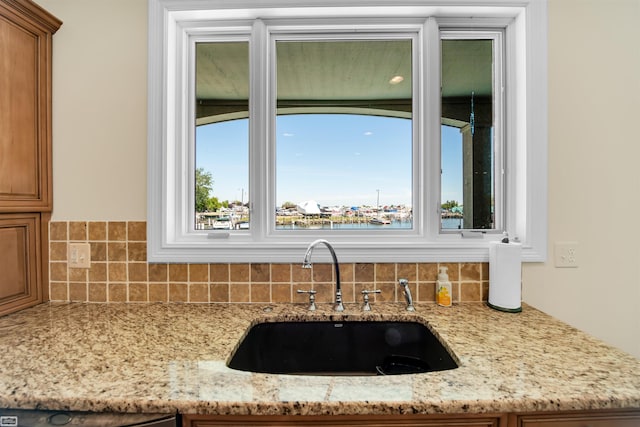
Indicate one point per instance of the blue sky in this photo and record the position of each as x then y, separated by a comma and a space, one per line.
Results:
333, 159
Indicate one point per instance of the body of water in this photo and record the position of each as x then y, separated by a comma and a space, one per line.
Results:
447, 224
451, 223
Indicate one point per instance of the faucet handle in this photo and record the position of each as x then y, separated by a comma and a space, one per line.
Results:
407, 294
365, 296
312, 298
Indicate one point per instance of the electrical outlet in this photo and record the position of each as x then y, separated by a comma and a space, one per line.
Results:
79, 255
566, 254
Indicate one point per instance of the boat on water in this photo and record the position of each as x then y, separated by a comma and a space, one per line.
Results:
222, 223
379, 221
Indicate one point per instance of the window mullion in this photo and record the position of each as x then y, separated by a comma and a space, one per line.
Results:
499, 133
259, 122
431, 128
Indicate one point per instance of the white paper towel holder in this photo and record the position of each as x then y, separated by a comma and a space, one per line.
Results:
505, 280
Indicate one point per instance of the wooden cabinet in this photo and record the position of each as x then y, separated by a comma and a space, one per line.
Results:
20, 260
609, 418
26, 32
578, 419
345, 420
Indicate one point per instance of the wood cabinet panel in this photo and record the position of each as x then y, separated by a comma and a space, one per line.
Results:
19, 145
25, 106
582, 419
345, 420
20, 261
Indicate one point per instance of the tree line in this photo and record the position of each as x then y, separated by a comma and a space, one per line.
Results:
207, 203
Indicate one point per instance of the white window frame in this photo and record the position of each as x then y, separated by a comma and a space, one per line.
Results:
174, 25
449, 30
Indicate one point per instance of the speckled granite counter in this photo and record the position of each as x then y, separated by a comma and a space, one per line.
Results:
167, 358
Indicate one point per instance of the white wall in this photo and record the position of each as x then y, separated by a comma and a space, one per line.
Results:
594, 180
99, 130
99, 109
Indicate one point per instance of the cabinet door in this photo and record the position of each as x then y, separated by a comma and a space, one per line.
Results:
25, 80
344, 421
19, 261
593, 419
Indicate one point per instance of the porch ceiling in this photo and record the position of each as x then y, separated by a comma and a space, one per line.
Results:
357, 75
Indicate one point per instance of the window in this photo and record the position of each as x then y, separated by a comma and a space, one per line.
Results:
470, 73
344, 131
401, 134
221, 144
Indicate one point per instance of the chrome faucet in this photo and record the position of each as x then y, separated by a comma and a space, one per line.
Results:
407, 294
306, 263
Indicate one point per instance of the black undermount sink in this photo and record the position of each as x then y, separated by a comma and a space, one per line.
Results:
341, 348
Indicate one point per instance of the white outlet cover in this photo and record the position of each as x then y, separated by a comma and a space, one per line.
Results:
566, 254
79, 255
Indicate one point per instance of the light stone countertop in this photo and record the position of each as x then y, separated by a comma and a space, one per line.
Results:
172, 357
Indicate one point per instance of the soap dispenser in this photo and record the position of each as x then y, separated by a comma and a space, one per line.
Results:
443, 288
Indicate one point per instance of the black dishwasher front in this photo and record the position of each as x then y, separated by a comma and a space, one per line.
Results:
38, 418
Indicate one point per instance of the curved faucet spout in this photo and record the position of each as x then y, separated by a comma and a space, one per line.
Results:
306, 263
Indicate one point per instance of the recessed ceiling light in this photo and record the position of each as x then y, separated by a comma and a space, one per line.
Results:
396, 79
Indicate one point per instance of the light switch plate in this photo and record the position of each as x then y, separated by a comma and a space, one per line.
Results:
566, 254
79, 255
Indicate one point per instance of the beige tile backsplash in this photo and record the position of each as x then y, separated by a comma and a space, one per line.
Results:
120, 273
